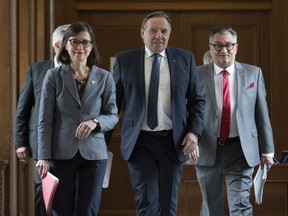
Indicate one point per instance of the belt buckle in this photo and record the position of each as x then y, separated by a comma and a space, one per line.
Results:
221, 142
161, 133
227, 141
158, 133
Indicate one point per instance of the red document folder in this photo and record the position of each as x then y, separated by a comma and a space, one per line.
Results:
49, 186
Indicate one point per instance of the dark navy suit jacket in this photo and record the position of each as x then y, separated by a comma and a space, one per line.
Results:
187, 101
26, 128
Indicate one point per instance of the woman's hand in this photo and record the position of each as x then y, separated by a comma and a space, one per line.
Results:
42, 167
85, 128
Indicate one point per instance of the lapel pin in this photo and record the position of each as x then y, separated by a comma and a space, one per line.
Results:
241, 73
93, 82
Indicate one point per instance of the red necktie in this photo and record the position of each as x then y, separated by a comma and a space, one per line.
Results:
226, 111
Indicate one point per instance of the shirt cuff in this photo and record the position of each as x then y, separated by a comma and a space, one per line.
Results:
268, 154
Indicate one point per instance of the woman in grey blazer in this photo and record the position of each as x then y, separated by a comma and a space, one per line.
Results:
77, 105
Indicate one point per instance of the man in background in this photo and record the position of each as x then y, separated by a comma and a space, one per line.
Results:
26, 126
207, 58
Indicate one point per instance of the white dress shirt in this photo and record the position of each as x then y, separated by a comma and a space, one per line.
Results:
233, 96
232, 76
56, 63
164, 93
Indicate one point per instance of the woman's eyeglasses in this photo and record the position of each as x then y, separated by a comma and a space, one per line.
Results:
85, 43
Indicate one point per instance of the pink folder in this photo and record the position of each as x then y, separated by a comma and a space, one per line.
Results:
49, 186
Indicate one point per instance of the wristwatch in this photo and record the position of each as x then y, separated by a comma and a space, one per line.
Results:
96, 121
98, 127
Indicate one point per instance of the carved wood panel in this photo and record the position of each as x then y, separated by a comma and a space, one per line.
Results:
254, 44
262, 29
3, 187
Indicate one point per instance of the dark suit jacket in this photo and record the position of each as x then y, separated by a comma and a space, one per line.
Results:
61, 111
187, 102
28, 107
252, 114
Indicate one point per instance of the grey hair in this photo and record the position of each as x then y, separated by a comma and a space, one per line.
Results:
58, 33
222, 29
155, 14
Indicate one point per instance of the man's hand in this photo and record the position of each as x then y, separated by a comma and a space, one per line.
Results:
190, 142
268, 160
194, 156
22, 153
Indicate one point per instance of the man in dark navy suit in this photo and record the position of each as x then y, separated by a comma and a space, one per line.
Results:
26, 128
155, 154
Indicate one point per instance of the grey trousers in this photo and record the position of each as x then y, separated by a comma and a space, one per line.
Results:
232, 170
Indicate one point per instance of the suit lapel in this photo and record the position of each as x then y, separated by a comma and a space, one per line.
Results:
49, 65
93, 80
241, 77
69, 82
172, 64
210, 82
139, 72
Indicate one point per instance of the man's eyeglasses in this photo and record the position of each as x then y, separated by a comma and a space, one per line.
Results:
85, 43
219, 47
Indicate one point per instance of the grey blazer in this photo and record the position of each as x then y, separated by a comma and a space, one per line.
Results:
61, 111
26, 124
252, 114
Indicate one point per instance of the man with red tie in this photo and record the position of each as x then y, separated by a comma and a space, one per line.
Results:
237, 133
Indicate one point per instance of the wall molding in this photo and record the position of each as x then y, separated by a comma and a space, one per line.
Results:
3, 181
179, 6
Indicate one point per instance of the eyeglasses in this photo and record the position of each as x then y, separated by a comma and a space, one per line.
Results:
219, 47
85, 43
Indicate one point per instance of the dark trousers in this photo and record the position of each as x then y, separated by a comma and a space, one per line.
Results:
40, 209
155, 173
80, 186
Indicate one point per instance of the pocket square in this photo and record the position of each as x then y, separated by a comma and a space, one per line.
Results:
250, 86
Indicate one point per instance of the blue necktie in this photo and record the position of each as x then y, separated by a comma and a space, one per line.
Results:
152, 119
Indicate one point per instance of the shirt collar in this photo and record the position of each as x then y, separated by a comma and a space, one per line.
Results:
149, 53
56, 63
218, 69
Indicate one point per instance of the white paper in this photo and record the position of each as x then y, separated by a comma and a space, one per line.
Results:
108, 170
189, 162
259, 182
